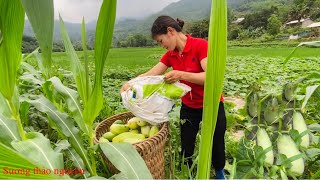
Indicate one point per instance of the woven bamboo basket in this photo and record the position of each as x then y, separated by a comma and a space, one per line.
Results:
151, 149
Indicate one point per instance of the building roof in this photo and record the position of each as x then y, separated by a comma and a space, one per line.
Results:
316, 24
296, 21
239, 20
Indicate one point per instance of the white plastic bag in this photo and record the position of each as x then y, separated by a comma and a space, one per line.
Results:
151, 98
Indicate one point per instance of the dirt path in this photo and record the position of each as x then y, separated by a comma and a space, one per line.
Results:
240, 103
237, 135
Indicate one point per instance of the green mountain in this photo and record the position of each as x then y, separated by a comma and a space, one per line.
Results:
187, 10
74, 30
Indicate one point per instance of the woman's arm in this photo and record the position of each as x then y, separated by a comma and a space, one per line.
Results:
196, 78
158, 69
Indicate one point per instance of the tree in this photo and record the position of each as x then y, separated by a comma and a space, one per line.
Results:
303, 9
137, 40
200, 28
274, 25
233, 32
259, 19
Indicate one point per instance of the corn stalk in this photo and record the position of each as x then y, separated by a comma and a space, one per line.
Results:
217, 52
10, 55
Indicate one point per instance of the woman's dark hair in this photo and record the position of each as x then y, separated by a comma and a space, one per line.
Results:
161, 24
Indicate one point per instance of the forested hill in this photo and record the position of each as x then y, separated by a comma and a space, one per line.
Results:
188, 10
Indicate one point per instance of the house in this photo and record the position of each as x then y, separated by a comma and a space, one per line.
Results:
239, 20
315, 27
302, 23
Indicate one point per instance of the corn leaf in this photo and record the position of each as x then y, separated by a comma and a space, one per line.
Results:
64, 124
85, 56
40, 14
40, 62
234, 169
309, 91
1, 38
217, 52
37, 148
96, 177
77, 69
8, 130
27, 67
11, 159
64, 145
316, 175
127, 160
25, 58
11, 27
309, 44
24, 113
5, 108
77, 161
103, 39
72, 102
48, 90
31, 79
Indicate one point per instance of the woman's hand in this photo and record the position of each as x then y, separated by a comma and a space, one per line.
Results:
124, 87
173, 76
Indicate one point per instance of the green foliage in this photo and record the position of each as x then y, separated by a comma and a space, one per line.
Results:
103, 38
39, 11
29, 44
274, 25
199, 28
10, 49
234, 32
38, 149
302, 9
136, 40
118, 153
79, 73
259, 18
12, 161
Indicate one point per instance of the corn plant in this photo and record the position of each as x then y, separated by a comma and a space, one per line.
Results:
11, 40
33, 9
15, 143
217, 52
33, 146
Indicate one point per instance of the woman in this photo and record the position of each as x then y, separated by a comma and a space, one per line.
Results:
188, 58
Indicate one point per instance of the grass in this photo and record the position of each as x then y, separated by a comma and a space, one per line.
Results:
127, 57
302, 52
147, 57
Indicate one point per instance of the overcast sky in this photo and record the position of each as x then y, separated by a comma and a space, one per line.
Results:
73, 10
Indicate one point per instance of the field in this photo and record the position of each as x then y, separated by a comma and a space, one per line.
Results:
52, 105
142, 57
244, 65
246, 68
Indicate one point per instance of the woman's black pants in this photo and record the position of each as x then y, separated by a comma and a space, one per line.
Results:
190, 127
